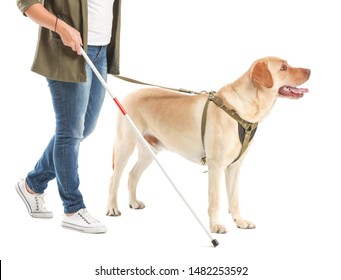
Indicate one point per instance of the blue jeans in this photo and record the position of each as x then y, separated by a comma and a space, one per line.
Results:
77, 107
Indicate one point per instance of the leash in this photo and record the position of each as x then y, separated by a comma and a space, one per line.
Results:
147, 84
246, 130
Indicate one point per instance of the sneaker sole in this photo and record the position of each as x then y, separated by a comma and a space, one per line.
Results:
84, 229
29, 210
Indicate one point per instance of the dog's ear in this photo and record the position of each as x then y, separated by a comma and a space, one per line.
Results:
261, 75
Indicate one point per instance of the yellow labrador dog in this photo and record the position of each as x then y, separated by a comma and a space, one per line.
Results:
172, 121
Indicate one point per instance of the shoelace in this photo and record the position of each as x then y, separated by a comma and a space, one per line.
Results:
40, 201
85, 215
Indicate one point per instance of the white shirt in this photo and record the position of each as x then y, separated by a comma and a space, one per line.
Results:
99, 22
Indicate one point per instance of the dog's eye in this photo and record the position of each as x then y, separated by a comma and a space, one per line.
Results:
283, 67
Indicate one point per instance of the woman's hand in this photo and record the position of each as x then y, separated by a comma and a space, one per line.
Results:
70, 36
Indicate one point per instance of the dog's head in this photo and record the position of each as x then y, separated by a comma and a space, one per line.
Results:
276, 74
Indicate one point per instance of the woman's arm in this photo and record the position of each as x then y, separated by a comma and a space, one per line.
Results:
70, 36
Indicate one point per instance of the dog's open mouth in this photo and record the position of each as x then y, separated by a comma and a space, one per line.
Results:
293, 92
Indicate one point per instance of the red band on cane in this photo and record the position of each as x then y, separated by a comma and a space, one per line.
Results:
120, 106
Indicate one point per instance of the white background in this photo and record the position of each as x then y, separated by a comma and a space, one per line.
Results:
290, 181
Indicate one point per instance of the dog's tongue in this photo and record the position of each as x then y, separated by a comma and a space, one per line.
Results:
298, 90
292, 91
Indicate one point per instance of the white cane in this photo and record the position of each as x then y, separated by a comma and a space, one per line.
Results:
119, 105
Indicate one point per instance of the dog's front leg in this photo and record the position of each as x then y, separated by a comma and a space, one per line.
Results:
214, 176
232, 183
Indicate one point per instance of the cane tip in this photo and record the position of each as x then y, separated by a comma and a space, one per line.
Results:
215, 242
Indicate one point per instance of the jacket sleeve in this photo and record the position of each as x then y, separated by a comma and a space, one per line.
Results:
23, 5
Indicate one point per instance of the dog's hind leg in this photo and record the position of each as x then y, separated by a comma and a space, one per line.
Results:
124, 147
232, 183
143, 161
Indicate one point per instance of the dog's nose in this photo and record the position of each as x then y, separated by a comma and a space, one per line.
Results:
308, 72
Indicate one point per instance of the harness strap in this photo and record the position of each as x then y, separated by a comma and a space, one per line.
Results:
203, 127
246, 130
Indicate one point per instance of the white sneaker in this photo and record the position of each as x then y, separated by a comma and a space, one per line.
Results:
84, 222
34, 202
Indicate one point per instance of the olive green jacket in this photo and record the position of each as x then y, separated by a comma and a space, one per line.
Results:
58, 62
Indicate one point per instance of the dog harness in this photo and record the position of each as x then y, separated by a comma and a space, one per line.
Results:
246, 130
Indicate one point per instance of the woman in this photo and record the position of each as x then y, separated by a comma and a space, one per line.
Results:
77, 95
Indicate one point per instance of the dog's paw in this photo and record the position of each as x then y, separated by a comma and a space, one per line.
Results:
113, 212
244, 224
216, 228
137, 205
